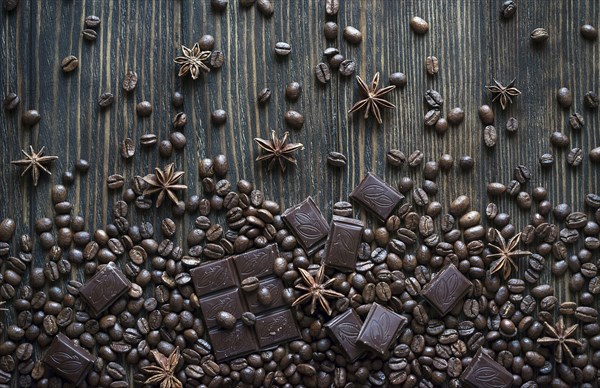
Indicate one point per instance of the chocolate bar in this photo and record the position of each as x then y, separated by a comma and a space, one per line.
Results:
382, 326
376, 196
68, 360
341, 249
104, 288
446, 289
307, 224
344, 329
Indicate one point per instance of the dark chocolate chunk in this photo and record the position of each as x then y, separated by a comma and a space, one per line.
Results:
219, 288
377, 196
382, 326
342, 244
484, 371
308, 225
104, 288
69, 360
446, 289
344, 329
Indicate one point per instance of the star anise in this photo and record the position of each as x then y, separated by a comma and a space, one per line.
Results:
278, 150
506, 254
192, 61
164, 372
503, 93
34, 162
373, 103
316, 290
559, 335
164, 182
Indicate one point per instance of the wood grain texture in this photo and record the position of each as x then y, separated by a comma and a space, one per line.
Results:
473, 44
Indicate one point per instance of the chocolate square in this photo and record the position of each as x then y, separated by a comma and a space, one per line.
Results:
446, 289
69, 360
377, 196
344, 329
307, 224
382, 326
212, 277
276, 328
342, 244
228, 301
275, 287
232, 343
258, 262
484, 371
104, 288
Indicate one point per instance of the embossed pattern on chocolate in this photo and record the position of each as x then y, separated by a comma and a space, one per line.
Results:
104, 288
377, 196
382, 326
484, 371
308, 225
218, 286
344, 329
446, 289
68, 360
342, 244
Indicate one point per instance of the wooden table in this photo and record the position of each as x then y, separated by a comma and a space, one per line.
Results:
473, 43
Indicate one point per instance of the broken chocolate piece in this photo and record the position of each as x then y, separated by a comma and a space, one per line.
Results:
484, 371
341, 249
104, 288
308, 225
446, 289
69, 360
344, 329
377, 196
382, 326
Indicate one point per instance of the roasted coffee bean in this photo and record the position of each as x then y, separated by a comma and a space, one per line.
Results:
432, 65
521, 173
415, 158
594, 155
486, 114
115, 181
434, 99
419, 25
250, 284
323, 73
343, 209
89, 34
564, 97
575, 157
509, 8
294, 119
398, 79
352, 35
546, 160
130, 81
7, 229
69, 63
143, 108
282, 49
591, 100
225, 320
586, 314
495, 189
559, 139
30, 117
431, 117
264, 95
588, 32
332, 7
105, 100
490, 136
420, 198
9, 5
217, 59
539, 35
331, 30
336, 159
293, 90
395, 157
148, 139
466, 163
347, 67
11, 101
127, 148
92, 21
455, 115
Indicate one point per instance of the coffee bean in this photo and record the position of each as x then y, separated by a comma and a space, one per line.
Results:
323, 73
539, 35
343, 209
575, 157
591, 100
143, 108
225, 320
586, 314
115, 181
89, 34
398, 79
82, 166
336, 159
30, 117
8, 6
431, 117
508, 10
347, 67
92, 21
218, 117
265, 7
486, 114
331, 30
105, 100
148, 139
69, 63
434, 99
130, 81
420, 198
127, 148
564, 97
395, 157
512, 125
594, 155
219, 5
546, 160
490, 136
250, 284
588, 32
456, 116
206, 42
7, 229
11, 101
264, 95
495, 189
217, 59
282, 49
294, 119
332, 7
415, 158
419, 25
352, 35
576, 121
466, 163
432, 65
521, 173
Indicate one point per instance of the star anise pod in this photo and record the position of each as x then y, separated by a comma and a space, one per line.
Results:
559, 335
506, 253
278, 150
373, 103
504, 93
316, 290
164, 372
34, 162
192, 61
164, 182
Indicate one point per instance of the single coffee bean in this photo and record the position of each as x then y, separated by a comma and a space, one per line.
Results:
30, 117
282, 49
490, 136
219, 5
441, 126
343, 209
434, 99
415, 158
323, 73
336, 159
89, 34
225, 320
148, 139
508, 10
431, 117
576, 121
7, 229
206, 42
8, 6
115, 181
347, 67
466, 163
432, 65
559, 139
220, 165
294, 119
248, 318
265, 7
495, 189
218, 117
395, 157
178, 140
539, 35
575, 157
332, 7
419, 25
105, 99
250, 284
594, 155
588, 32
264, 95
293, 90
217, 59
591, 100
130, 81
486, 114
546, 160
398, 79
127, 148
143, 108
420, 198
11, 101
512, 125
165, 148
521, 173
177, 99
352, 35
564, 97
331, 30
92, 21
455, 116
69, 63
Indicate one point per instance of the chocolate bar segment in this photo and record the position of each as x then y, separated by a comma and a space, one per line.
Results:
484, 371
276, 328
308, 225
258, 262
212, 277
447, 288
232, 343
377, 196
68, 360
229, 301
341, 249
104, 288
344, 329
275, 288
382, 326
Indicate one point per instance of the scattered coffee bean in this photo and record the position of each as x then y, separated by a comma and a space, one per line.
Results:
490, 136
331, 30
441, 126
434, 99
332, 7
508, 10
206, 42
323, 73
69, 63
486, 114
265, 7
293, 90
432, 65
89, 34
130, 81
575, 157
559, 139
217, 59
282, 49
564, 97
588, 32
336, 159
218, 117
415, 158
82, 166
10, 5
512, 125
294, 119
105, 99
115, 181
352, 35
419, 25
591, 100
398, 79
595, 155
395, 157
127, 148
148, 139
264, 95
177, 99
11, 101
455, 116
219, 5
576, 121
30, 117
92, 21
347, 67
165, 148
466, 163
143, 108
539, 35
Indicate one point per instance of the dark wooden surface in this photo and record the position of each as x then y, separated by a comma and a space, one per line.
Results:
473, 44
